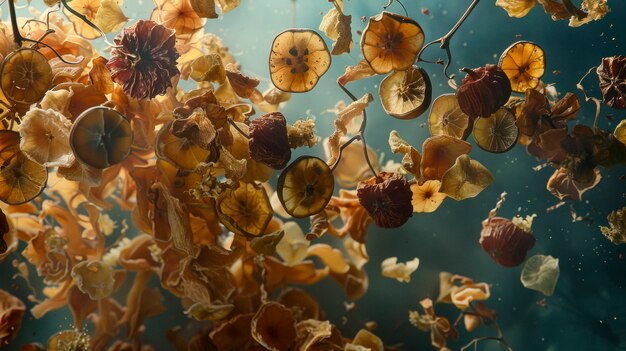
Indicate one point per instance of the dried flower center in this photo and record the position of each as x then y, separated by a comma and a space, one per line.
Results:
299, 63
392, 41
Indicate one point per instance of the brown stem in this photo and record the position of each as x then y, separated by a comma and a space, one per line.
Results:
596, 101
472, 73
17, 37
444, 42
234, 124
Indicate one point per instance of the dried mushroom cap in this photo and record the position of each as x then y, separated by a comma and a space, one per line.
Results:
21, 179
447, 118
11, 312
25, 76
298, 59
69, 340
94, 278
101, 137
465, 179
541, 273
406, 94
498, 132
391, 42
245, 210
524, 63
305, 186
439, 153
273, 326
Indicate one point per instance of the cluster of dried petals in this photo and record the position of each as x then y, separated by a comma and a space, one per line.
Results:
387, 198
144, 62
616, 231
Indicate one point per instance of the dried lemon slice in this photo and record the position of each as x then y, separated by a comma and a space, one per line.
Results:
298, 59
25, 76
406, 94
101, 137
245, 210
391, 42
446, 118
524, 63
305, 186
21, 179
496, 133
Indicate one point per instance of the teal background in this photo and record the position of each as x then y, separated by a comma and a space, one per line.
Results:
588, 311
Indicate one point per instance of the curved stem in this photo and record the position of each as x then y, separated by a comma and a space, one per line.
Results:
17, 37
87, 21
444, 42
234, 124
596, 101
343, 146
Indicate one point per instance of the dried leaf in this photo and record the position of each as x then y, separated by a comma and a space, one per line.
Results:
465, 179
110, 17
204, 8
228, 5
208, 68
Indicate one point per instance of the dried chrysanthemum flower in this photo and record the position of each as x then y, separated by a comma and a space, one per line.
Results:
616, 231
269, 143
145, 60
387, 198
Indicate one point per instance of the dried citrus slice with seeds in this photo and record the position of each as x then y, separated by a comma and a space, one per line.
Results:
21, 179
406, 94
496, 133
101, 137
245, 210
447, 118
524, 63
298, 59
391, 42
25, 76
305, 186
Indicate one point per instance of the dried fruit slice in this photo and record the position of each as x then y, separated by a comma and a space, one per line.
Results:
25, 76
180, 151
524, 63
620, 132
496, 133
305, 186
101, 137
447, 118
21, 179
245, 210
391, 42
298, 59
406, 94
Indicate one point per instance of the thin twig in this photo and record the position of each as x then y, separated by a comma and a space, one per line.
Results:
401, 4
444, 42
596, 101
234, 124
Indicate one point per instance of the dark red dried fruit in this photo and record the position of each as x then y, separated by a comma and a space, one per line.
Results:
144, 60
483, 91
4, 228
269, 143
612, 74
506, 243
387, 198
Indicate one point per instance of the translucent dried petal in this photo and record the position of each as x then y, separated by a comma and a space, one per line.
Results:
94, 278
45, 137
399, 271
541, 273
465, 179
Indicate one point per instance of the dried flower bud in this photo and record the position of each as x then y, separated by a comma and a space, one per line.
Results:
387, 198
505, 242
612, 74
268, 140
484, 91
144, 60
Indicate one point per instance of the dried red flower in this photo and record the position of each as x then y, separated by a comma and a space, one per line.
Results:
483, 91
269, 143
612, 74
506, 243
387, 198
144, 61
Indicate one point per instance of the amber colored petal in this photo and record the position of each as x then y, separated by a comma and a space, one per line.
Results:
273, 327
439, 153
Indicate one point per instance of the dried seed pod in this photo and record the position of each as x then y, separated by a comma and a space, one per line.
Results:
612, 74
484, 91
387, 198
505, 242
268, 142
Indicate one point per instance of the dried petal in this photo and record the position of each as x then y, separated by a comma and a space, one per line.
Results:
399, 271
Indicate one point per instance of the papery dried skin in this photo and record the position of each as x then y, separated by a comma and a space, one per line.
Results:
45, 137
336, 26
353, 73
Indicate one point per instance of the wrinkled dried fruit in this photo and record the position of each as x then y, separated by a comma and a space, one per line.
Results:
387, 198
483, 91
268, 142
505, 242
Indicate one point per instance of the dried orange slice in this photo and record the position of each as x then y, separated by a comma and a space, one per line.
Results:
245, 210
101, 137
524, 63
305, 186
391, 42
406, 94
25, 76
447, 118
496, 133
298, 59
180, 151
21, 179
